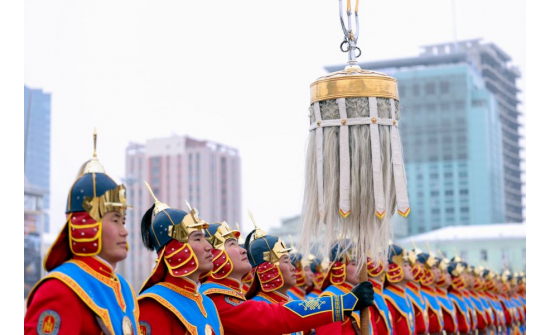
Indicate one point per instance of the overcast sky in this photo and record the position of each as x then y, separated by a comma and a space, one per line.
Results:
235, 72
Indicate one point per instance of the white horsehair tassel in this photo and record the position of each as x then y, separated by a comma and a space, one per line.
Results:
319, 159
344, 202
403, 207
379, 199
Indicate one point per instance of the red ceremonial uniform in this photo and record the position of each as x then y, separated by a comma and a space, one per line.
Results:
241, 316
435, 325
462, 315
403, 321
349, 325
71, 314
421, 320
159, 318
449, 314
381, 323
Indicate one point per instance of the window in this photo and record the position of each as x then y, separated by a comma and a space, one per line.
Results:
463, 174
421, 229
464, 210
434, 175
478, 103
449, 192
483, 255
430, 108
448, 175
435, 210
464, 255
505, 257
430, 88
434, 193
416, 90
449, 210
444, 87
419, 176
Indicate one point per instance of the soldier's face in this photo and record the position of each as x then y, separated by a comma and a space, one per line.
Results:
114, 247
352, 276
238, 257
309, 275
288, 271
203, 250
407, 271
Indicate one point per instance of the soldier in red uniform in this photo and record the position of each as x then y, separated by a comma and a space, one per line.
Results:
82, 294
380, 312
421, 322
398, 275
443, 282
485, 322
242, 316
427, 290
342, 277
304, 277
169, 300
455, 293
318, 277
489, 292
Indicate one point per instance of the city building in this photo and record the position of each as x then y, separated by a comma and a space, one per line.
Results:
460, 133
495, 246
178, 169
33, 234
37, 144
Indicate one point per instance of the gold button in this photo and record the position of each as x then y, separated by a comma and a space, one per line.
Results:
373, 120
344, 122
394, 122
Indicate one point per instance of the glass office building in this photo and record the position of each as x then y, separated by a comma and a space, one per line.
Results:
37, 143
460, 135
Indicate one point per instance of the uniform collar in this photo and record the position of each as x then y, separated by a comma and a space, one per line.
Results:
414, 287
227, 281
183, 283
376, 285
97, 264
396, 289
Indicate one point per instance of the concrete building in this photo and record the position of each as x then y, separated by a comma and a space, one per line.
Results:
178, 168
37, 119
497, 246
460, 133
33, 235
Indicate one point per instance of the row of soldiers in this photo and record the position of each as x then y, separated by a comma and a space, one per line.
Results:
204, 282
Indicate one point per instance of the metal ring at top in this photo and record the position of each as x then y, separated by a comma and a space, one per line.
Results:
342, 44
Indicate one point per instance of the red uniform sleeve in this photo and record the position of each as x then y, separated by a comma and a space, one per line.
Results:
155, 319
435, 326
55, 306
258, 317
419, 321
448, 323
481, 322
463, 325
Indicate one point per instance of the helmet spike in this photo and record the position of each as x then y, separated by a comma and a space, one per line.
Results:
159, 206
257, 232
151, 191
95, 143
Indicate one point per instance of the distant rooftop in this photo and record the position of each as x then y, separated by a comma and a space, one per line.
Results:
472, 233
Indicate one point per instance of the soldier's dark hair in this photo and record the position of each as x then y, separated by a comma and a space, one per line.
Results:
146, 222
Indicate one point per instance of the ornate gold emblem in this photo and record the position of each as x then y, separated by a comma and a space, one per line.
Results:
312, 304
111, 201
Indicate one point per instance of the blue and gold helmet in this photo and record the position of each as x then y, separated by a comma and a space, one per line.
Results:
166, 230
91, 196
264, 253
340, 255
217, 234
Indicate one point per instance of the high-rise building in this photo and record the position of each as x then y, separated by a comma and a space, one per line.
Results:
460, 134
37, 144
33, 234
178, 169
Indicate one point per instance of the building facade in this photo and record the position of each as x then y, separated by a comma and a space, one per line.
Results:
496, 246
460, 134
33, 235
37, 119
178, 169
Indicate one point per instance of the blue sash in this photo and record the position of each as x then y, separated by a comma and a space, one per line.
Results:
472, 310
188, 311
419, 302
292, 295
404, 306
98, 296
312, 295
498, 308
381, 305
462, 307
433, 303
487, 307
448, 305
